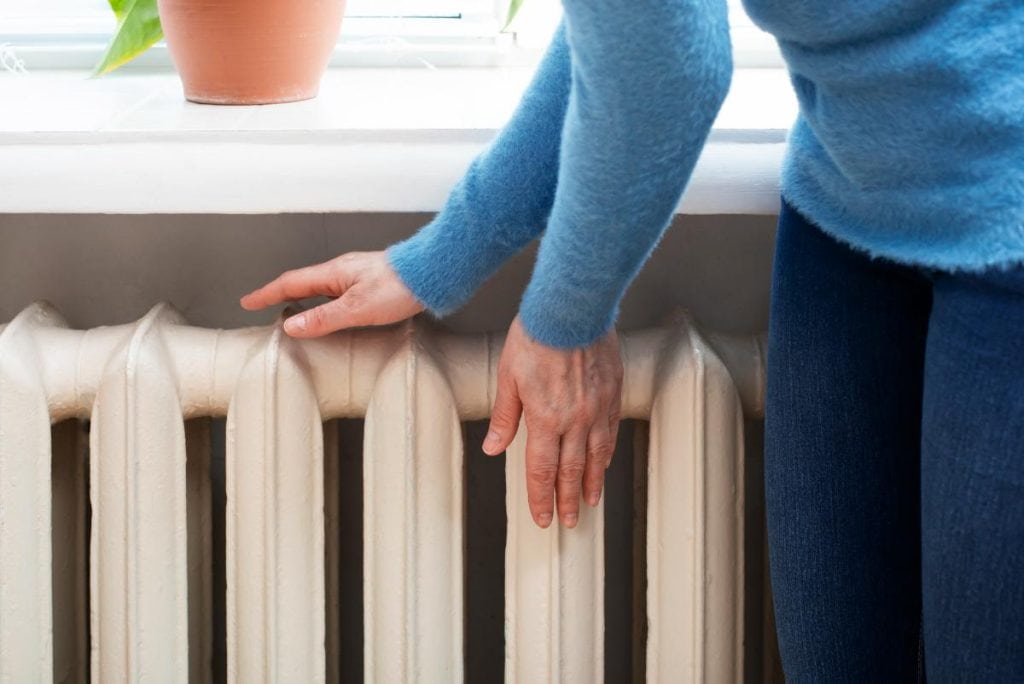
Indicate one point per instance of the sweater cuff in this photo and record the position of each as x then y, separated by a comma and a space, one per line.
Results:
566, 319
442, 270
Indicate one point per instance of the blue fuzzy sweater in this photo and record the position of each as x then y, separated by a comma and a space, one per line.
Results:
909, 145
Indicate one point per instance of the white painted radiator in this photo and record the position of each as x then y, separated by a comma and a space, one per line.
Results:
149, 540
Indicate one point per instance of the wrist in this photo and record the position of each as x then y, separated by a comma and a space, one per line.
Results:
563, 326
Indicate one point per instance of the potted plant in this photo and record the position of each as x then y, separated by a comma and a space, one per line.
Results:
235, 51
232, 51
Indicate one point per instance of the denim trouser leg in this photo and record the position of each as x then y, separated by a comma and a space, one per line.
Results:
972, 480
845, 368
894, 466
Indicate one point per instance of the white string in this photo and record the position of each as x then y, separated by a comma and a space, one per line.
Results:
9, 60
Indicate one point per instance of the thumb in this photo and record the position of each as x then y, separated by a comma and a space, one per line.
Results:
337, 314
504, 417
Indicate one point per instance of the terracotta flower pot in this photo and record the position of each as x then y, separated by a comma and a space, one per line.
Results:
251, 51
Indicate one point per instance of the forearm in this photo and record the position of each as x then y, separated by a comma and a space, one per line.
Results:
648, 79
502, 202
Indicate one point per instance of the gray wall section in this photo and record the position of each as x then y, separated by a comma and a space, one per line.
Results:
100, 269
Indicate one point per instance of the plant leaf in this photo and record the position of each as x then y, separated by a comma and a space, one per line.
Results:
513, 9
138, 29
118, 6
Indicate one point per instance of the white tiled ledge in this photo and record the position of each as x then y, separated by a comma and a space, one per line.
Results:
376, 140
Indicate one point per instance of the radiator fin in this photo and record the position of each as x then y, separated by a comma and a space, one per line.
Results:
137, 479
275, 519
413, 508
26, 650
695, 518
554, 588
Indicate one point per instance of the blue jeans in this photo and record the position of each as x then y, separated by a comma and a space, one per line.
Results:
894, 466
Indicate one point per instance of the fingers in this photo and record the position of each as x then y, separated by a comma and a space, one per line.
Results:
508, 408
324, 319
541, 472
571, 400
599, 455
321, 279
571, 463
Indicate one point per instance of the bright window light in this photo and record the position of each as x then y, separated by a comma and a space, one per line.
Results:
61, 34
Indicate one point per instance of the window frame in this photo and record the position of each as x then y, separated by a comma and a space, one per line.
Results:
456, 33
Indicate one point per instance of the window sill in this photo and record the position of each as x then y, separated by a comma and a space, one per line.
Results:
376, 140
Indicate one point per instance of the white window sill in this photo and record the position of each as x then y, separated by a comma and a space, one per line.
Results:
376, 140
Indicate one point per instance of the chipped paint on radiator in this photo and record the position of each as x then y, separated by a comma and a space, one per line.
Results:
138, 383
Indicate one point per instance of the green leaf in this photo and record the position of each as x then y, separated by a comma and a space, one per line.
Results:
138, 29
513, 9
118, 6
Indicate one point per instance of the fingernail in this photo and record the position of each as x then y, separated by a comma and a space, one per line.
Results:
491, 442
544, 519
295, 324
569, 519
594, 498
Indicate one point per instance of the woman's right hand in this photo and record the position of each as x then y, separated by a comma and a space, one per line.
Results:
366, 291
571, 400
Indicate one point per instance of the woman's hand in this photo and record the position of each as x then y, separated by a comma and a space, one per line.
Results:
366, 289
571, 399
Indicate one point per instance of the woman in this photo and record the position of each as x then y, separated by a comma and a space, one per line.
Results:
895, 420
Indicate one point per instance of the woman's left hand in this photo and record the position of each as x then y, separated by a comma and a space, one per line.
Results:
571, 399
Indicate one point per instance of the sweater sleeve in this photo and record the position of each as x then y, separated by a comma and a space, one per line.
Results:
501, 203
648, 78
